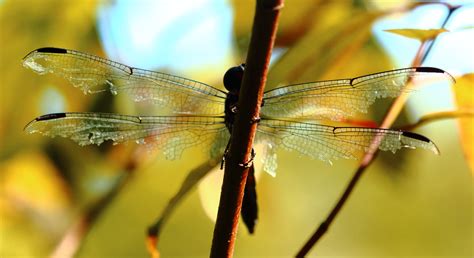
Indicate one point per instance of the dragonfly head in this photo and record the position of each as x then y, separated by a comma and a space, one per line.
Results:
233, 78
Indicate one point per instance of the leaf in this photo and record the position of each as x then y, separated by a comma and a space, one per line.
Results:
324, 52
464, 94
333, 46
194, 176
295, 20
32, 181
35, 204
419, 34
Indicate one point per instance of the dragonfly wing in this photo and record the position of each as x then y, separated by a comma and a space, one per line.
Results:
338, 99
331, 143
171, 134
94, 74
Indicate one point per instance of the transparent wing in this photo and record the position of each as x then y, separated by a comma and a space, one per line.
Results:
171, 134
331, 143
338, 99
94, 74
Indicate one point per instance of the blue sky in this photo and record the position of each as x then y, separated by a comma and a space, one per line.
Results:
147, 34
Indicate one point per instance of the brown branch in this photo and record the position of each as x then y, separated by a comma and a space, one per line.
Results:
251, 93
368, 158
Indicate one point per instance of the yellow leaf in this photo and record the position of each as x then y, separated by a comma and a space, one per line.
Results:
419, 34
31, 181
464, 92
324, 51
295, 21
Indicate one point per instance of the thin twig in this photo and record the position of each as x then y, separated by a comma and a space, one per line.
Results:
438, 116
71, 242
194, 176
235, 176
369, 157
451, 9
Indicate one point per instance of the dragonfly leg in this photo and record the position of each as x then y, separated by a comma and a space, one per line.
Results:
249, 162
255, 119
225, 154
222, 162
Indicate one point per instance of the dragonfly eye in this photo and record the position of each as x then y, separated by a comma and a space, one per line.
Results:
233, 78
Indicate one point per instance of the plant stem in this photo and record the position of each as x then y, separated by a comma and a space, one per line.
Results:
193, 178
323, 227
438, 116
72, 240
251, 93
368, 158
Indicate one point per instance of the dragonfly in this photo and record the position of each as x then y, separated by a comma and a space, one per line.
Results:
294, 117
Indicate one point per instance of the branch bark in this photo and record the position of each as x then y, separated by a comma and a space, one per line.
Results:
251, 93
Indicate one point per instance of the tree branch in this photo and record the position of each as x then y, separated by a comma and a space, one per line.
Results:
251, 93
368, 158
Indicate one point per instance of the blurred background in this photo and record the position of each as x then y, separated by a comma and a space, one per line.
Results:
413, 203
